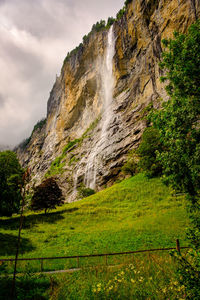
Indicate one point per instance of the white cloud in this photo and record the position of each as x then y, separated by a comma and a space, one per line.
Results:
35, 37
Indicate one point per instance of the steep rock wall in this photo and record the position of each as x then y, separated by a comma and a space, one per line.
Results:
75, 104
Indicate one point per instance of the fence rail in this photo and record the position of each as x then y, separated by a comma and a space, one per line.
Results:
178, 248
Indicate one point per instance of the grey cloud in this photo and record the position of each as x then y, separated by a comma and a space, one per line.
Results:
35, 37
2, 101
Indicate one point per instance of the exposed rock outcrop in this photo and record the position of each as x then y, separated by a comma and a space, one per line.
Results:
75, 103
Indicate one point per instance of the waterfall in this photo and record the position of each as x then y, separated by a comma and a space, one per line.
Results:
107, 80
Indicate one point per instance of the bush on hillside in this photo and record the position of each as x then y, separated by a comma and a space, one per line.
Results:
150, 144
84, 192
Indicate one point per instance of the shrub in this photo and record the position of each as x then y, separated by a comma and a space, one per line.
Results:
130, 167
150, 143
84, 192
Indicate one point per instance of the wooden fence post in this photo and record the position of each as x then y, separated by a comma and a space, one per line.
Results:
78, 262
42, 265
106, 260
178, 246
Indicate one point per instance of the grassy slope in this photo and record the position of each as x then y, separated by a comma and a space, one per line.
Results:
134, 214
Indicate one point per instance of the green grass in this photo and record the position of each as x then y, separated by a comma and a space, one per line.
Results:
138, 213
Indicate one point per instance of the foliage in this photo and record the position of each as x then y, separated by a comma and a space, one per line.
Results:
110, 21
84, 192
138, 276
10, 181
99, 26
130, 166
127, 2
188, 273
178, 125
120, 13
150, 143
28, 287
178, 121
144, 158
47, 195
69, 146
37, 126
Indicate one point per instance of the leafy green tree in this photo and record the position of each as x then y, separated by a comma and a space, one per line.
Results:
10, 181
178, 121
47, 195
179, 129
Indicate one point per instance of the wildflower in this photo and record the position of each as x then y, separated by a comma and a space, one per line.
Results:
164, 290
132, 280
98, 284
141, 279
122, 273
175, 283
150, 278
94, 290
110, 288
99, 289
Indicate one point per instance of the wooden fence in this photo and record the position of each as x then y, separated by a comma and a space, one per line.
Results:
106, 255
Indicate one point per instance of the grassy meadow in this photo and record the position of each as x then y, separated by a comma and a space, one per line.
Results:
137, 213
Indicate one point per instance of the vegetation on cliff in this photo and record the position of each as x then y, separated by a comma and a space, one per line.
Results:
39, 125
99, 26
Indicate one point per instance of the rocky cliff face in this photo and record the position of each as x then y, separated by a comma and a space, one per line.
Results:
64, 147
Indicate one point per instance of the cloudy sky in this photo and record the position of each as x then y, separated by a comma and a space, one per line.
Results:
35, 36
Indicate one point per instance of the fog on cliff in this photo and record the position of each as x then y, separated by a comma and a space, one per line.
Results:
35, 37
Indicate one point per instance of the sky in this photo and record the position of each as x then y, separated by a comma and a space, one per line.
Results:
35, 36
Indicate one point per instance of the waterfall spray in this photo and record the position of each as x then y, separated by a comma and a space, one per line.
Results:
107, 80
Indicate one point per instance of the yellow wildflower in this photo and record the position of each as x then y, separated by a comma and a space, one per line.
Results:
132, 280
164, 290
141, 279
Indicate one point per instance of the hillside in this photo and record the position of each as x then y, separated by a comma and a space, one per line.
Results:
138, 213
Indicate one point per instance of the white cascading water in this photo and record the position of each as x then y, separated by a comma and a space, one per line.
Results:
107, 80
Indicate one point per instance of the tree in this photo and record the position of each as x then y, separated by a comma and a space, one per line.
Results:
179, 129
178, 121
10, 180
47, 195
